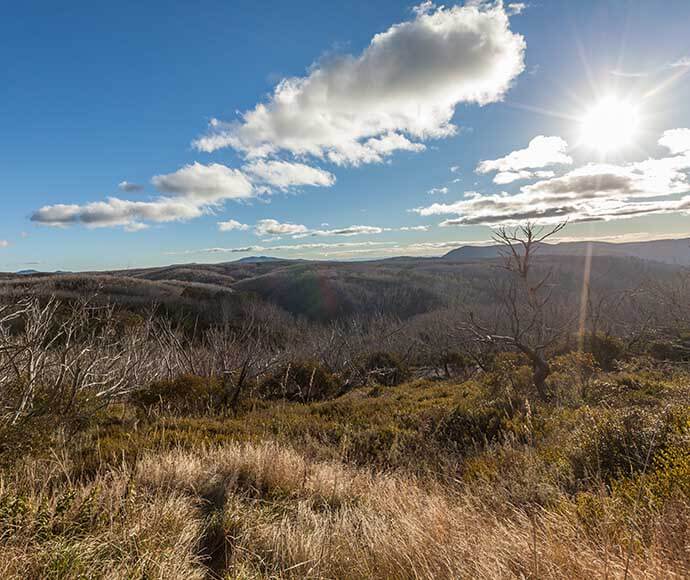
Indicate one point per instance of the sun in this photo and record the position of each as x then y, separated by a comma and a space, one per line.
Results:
609, 125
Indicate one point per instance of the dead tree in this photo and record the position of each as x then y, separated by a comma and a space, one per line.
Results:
524, 318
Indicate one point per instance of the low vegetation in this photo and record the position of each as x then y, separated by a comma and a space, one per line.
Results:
428, 479
136, 444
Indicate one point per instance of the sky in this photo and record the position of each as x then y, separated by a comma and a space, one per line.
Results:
149, 133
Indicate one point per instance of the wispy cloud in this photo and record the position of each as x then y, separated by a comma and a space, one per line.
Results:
279, 248
272, 227
347, 231
414, 229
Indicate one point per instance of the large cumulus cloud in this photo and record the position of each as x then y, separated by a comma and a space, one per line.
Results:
401, 90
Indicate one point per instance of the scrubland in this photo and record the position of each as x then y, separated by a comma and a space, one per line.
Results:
141, 443
426, 479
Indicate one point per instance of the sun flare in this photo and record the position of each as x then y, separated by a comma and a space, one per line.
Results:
610, 124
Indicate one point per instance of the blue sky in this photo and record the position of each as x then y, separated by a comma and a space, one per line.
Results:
96, 94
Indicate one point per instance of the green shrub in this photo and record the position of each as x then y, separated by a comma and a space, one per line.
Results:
468, 429
571, 375
301, 381
186, 394
23, 438
605, 348
384, 368
510, 378
665, 350
620, 444
639, 388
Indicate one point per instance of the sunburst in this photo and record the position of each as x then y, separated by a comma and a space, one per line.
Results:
611, 124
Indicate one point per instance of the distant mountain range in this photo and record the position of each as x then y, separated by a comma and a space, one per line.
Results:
675, 252
327, 290
671, 252
30, 272
258, 260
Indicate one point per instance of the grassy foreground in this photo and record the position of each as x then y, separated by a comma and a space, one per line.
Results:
427, 479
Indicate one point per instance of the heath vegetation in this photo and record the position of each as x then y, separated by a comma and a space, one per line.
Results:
540, 431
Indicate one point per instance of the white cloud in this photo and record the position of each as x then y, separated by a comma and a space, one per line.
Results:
401, 90
230, 225
423, 7
4, 244
205, 184
593, 192
542, 151
195, 189
516, 8
414, 229
117, 212
286, 248
271, 227
347, 231
676, 140
438, 190
374, 150
455, 169
504, 177
129, 187
284, 175
135, 227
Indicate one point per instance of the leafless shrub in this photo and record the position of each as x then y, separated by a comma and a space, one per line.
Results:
53, 354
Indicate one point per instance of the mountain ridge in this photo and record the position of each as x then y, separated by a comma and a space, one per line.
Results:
673, 251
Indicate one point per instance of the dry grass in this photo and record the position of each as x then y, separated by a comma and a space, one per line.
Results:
266, 511
109, 528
